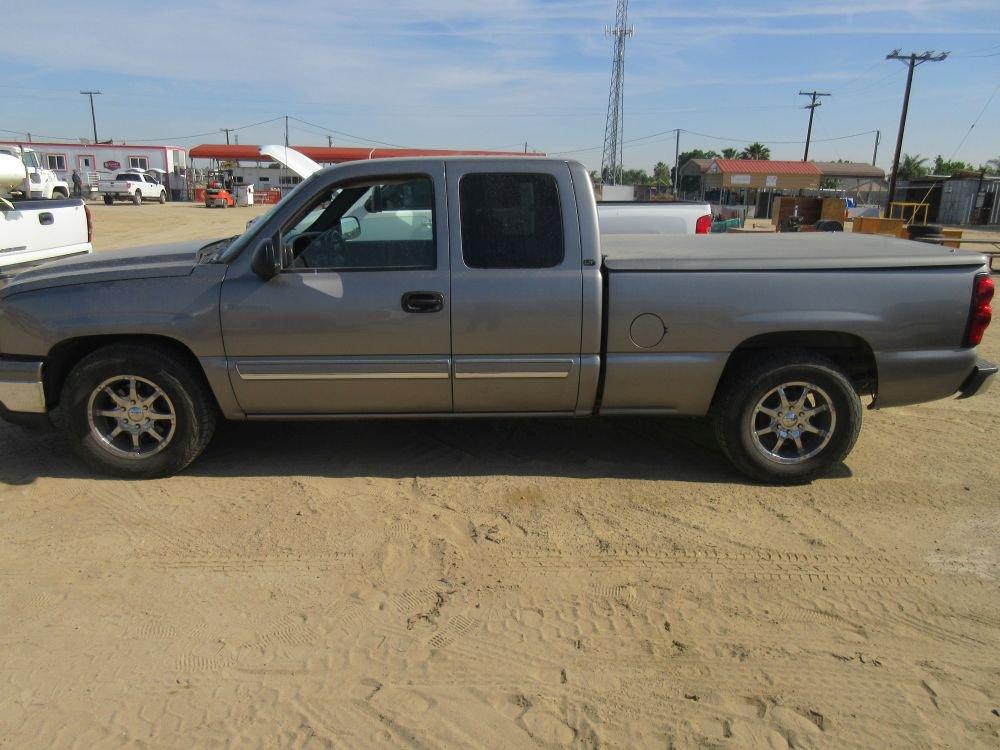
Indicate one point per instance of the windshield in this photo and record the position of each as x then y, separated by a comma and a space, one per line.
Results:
30, 159
236, 247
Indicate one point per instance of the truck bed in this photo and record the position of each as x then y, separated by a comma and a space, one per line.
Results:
806, 251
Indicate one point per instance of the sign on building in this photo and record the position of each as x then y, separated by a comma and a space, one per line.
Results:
771, 180
739, 179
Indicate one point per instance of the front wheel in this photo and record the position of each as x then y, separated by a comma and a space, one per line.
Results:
163, 197
136, 411
787, 417
137, 198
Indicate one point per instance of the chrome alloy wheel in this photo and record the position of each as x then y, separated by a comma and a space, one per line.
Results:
131, 417
793, 422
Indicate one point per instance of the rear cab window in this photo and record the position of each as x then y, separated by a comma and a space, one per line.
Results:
511, 220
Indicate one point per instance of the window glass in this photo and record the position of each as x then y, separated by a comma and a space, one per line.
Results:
511, 221
138, 162
367, 226
56, 161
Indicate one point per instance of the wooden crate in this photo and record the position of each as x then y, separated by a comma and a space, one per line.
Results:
877, 225
952, 234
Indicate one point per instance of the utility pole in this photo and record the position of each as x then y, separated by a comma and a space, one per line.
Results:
525, 147
677, 165
329, 141
93, 118
286, 131
811, 106
878, 137
226, 131
236, 137
912, 61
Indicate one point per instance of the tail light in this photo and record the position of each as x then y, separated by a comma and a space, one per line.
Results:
90, 224
703, 225
982, 312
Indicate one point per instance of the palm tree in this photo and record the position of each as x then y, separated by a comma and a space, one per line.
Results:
756, 151
911, 166
730, 153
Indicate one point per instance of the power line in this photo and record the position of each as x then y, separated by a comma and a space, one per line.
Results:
346, 135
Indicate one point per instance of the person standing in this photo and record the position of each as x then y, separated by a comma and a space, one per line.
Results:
77, 185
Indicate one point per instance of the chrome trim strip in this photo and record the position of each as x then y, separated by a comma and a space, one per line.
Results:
485, 375
343, 375
23, 397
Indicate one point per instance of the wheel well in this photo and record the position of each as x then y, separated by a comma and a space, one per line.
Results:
849, 352
65, 355
60, 191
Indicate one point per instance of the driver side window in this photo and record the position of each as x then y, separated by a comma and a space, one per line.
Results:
374, 225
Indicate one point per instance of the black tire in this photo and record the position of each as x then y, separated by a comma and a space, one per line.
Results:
163, 197
108, 200
828, 225
189, 398
137, 198
735, 414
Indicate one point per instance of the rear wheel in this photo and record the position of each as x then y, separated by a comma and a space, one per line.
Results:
137, 198
136, 411
787, 417
163, 196
108, 200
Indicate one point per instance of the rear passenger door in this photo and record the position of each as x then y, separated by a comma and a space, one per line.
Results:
517, 287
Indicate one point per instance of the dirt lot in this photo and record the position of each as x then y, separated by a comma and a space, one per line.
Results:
501, 584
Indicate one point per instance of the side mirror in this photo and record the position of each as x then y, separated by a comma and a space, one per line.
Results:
350, 228
266, 261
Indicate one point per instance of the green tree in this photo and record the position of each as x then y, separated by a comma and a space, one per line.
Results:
662, 173
944, 167
756, 151
912, 166
730, 153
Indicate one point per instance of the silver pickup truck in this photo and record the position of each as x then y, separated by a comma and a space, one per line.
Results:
500, 301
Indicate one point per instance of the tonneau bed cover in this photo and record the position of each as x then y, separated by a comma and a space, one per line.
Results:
791, 251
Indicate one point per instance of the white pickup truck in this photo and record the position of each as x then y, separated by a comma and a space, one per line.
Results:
33, 232
37, 182
135, 187
614, 217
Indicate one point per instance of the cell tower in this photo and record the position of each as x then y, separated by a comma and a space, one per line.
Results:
611, 159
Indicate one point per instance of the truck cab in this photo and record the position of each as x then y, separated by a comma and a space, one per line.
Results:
40, 182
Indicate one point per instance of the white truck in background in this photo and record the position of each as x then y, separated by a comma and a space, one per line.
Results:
38, 182
33, 232
135, 187
614, 217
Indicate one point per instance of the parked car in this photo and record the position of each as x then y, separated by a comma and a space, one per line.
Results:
38, 182
511, 304
32, 232
135, 187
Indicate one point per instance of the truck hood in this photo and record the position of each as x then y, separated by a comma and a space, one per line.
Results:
176, 259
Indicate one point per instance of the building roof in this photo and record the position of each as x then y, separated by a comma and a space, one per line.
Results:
840, 169
325, 154
764, 166
701, 164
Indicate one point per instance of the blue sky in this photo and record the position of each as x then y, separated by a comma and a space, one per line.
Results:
494, 74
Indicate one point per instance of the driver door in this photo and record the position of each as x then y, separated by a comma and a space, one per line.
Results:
360, 322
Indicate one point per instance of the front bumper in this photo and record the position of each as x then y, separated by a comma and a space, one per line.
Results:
979, 380
21, 387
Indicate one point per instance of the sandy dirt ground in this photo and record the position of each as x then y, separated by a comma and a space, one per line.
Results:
609, 583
